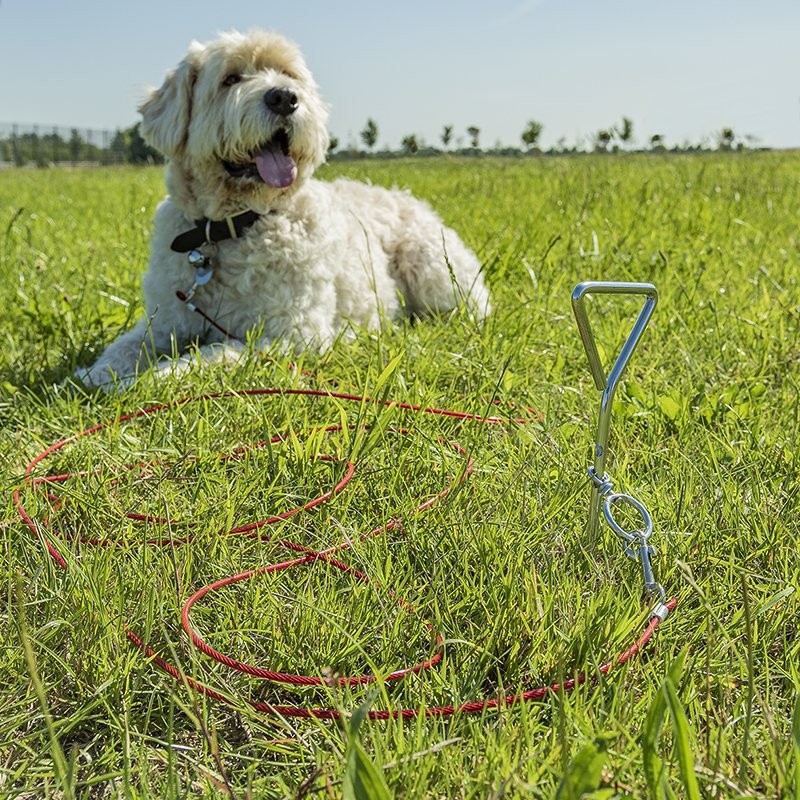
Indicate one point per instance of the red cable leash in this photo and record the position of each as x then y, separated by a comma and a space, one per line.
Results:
306, 556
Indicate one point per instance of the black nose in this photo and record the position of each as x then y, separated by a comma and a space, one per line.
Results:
282, 102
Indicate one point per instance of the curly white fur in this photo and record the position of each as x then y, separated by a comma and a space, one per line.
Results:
321, 259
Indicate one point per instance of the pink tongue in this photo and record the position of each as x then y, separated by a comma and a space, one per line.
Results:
275, 168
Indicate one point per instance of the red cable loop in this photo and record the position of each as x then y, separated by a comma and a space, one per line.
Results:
308, 557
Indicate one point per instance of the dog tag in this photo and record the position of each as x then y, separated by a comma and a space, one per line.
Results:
203, 267
202, 274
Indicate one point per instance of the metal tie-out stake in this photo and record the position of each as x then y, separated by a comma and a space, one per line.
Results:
608, 385
603, 495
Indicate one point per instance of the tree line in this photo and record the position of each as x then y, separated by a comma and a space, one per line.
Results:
615, 138
126, 146
33, 147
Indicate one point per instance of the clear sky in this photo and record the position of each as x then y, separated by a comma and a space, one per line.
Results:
684, 69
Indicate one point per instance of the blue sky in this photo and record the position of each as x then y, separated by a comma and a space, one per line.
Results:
681, 68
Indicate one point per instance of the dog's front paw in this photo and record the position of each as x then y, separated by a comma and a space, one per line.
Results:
101, 376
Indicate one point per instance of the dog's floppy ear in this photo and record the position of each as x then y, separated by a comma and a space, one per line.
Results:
167, 111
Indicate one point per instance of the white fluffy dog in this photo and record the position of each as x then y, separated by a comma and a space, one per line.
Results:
248, 241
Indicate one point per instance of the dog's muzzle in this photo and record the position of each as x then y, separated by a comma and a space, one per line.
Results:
272, 163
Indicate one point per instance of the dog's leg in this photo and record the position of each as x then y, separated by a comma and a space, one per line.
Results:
125, 357
318, 338
438, 272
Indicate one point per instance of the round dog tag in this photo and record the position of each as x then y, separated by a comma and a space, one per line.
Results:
202, 274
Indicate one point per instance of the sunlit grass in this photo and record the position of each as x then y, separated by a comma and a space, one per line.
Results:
705, 433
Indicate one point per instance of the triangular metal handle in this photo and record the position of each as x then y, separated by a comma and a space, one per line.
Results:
579, 294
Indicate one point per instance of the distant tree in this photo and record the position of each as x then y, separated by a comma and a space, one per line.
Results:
752, 140
41, 149
333, 144
31, 148
531, 134
657, 142
410, 144
139, 152
25, 148
474, 136
370, 134
75, 144
624, 131
129, 147
447, 135
725, 138
118, 149
601, 140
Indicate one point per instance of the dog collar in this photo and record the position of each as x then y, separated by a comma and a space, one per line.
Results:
208, 231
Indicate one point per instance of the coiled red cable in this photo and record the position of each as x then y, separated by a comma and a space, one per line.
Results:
306, 556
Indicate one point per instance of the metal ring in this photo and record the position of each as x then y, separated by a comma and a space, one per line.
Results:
639, 535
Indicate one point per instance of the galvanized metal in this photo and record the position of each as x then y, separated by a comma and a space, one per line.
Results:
603, 495
607, 384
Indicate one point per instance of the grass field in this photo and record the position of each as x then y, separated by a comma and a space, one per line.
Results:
706, 434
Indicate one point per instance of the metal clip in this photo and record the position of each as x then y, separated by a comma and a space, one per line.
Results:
636, 540
203, 271
203, 266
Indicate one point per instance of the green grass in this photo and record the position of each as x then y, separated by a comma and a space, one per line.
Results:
706, 430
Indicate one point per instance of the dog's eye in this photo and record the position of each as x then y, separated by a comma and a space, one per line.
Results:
231, 79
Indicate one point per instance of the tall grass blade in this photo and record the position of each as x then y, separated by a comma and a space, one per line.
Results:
387, 373
585, 771
654, 769
64, 770
683, 743
654, 772
796, 746
362, 779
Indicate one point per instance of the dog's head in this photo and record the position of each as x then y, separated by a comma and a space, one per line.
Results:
241, 122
